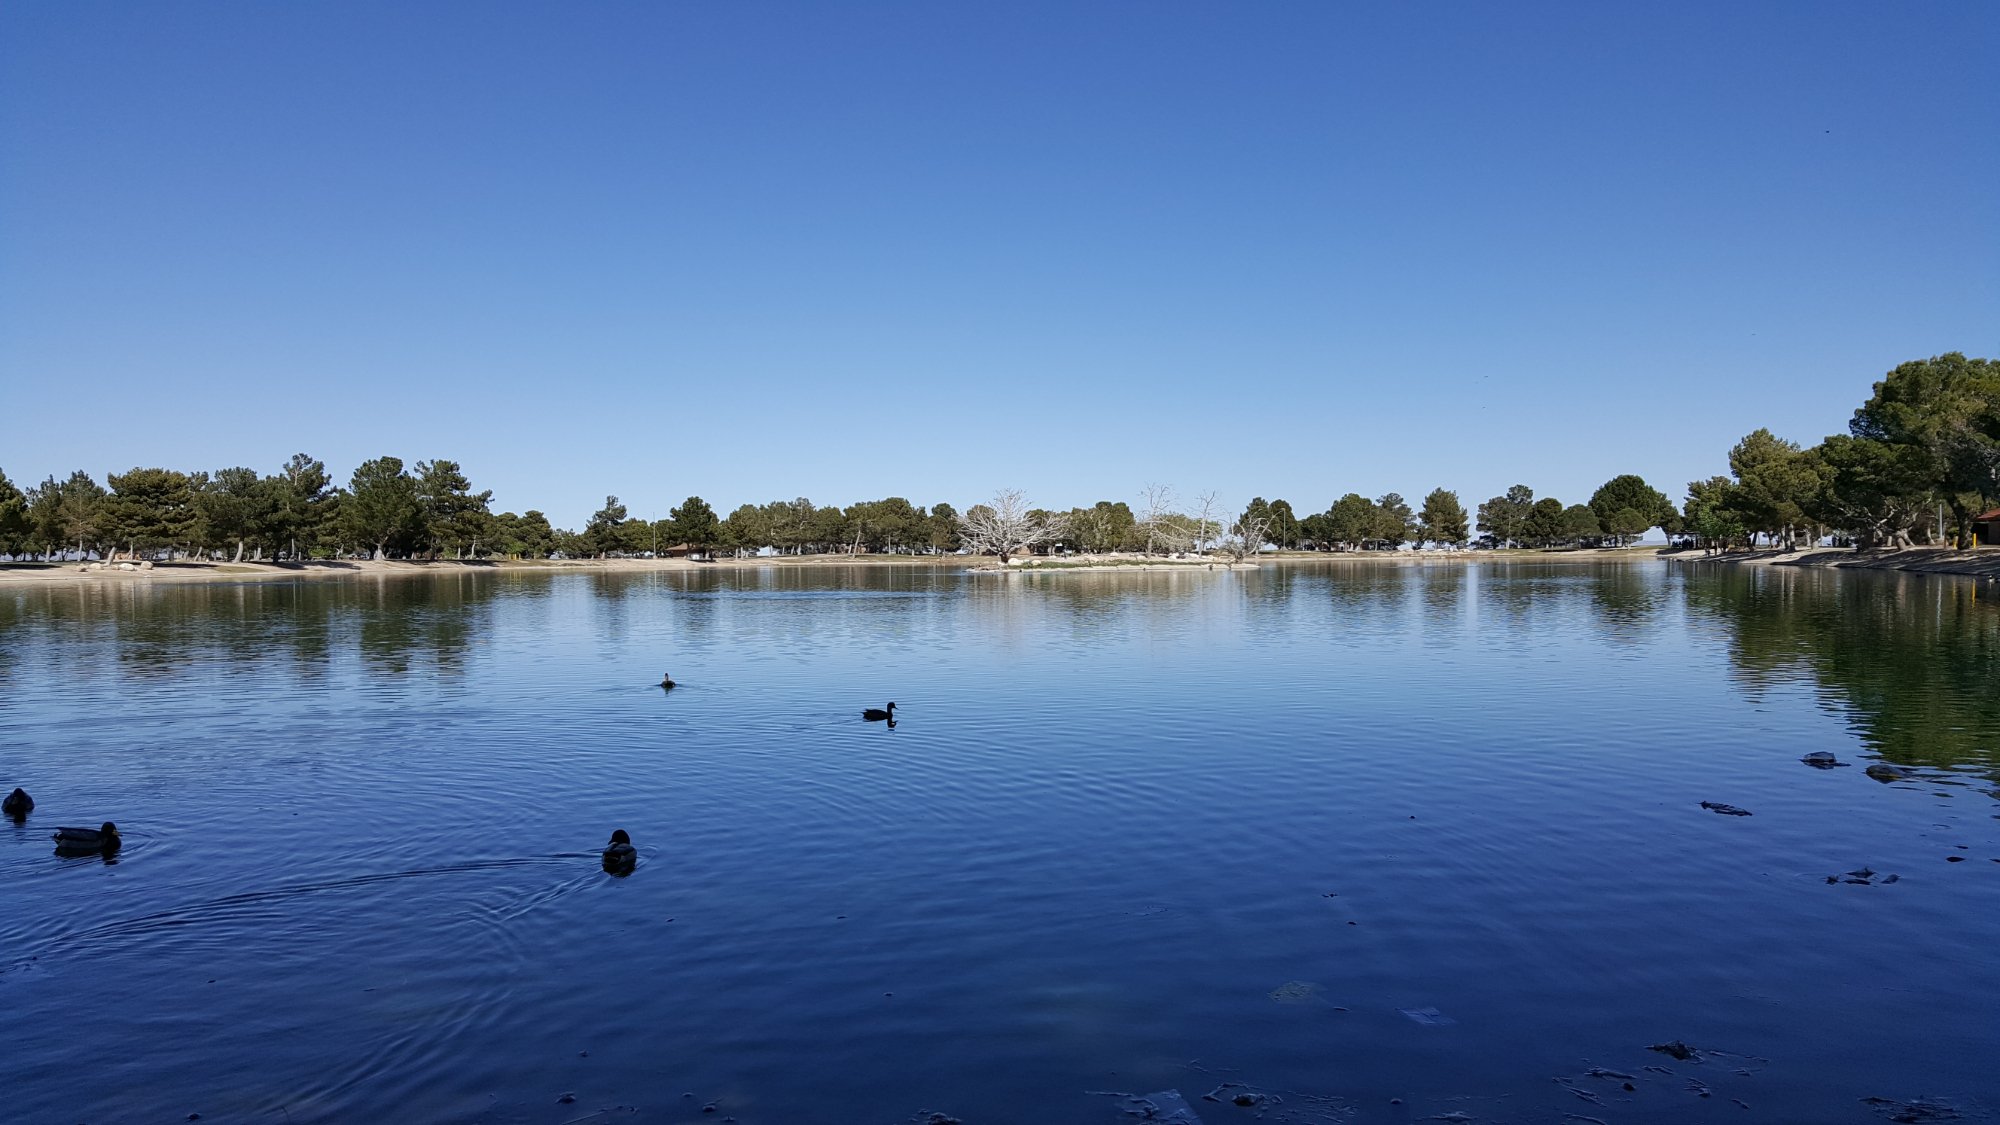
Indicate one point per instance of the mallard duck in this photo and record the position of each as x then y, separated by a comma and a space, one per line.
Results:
620, 847
667, 682
103, 839
18, 803
878, 714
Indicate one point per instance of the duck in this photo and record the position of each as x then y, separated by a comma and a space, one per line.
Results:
878, 714
104, 839
18, 803
667, 682
620, 847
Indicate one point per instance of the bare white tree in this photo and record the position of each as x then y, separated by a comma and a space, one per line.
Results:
1188, 532
1248, 537
1092, 527
1007, 525
1156, 504
1207, 521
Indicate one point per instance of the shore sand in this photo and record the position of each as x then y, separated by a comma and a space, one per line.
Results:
201, 571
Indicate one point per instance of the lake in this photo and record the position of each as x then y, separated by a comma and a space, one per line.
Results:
1371, 843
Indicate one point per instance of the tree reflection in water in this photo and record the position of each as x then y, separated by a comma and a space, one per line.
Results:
1912, 660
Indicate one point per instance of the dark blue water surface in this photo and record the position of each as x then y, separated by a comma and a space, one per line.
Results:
1133, 833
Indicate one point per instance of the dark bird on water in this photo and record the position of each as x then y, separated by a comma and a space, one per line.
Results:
667, 681
620, 846
104, 839
18, 803
878, 714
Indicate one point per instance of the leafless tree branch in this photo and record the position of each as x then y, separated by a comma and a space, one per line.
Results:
1006, 525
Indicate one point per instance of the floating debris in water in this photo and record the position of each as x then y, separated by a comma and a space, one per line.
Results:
1578, 1091
1238, 1093
1884, 772
1166, 1106
1865, 877
1822, 760
1676, 1049
1725, 810
1296, 992
1914, 1112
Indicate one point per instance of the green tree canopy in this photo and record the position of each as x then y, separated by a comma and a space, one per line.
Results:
71, 510
1877, 490
1394, 524
746, 529
606, 531
1351, 522
695, 524
1256, 513
150, 508
1712, 513
942, 528
301, 506
1102, 527
1443, 519
234, 505
1284, 525
1630, 493
536, 539
1543, 523
1504, 516
882, 525
14, 523
381, 507
1579, 523
1777, 484
1944, 414
454, 516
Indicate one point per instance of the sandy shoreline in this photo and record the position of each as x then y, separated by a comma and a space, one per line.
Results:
1916, 560
189, 571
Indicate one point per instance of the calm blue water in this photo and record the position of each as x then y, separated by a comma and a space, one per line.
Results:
1132, 833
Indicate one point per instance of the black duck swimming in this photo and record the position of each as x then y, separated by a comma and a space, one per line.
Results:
104, 839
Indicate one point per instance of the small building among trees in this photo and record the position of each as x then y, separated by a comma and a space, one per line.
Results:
1986, 529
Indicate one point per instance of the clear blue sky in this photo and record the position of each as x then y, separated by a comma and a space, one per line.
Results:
846, 250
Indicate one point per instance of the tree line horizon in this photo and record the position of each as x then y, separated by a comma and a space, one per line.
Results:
1927, 439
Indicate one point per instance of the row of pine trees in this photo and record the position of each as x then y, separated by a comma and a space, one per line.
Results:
1920, 463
